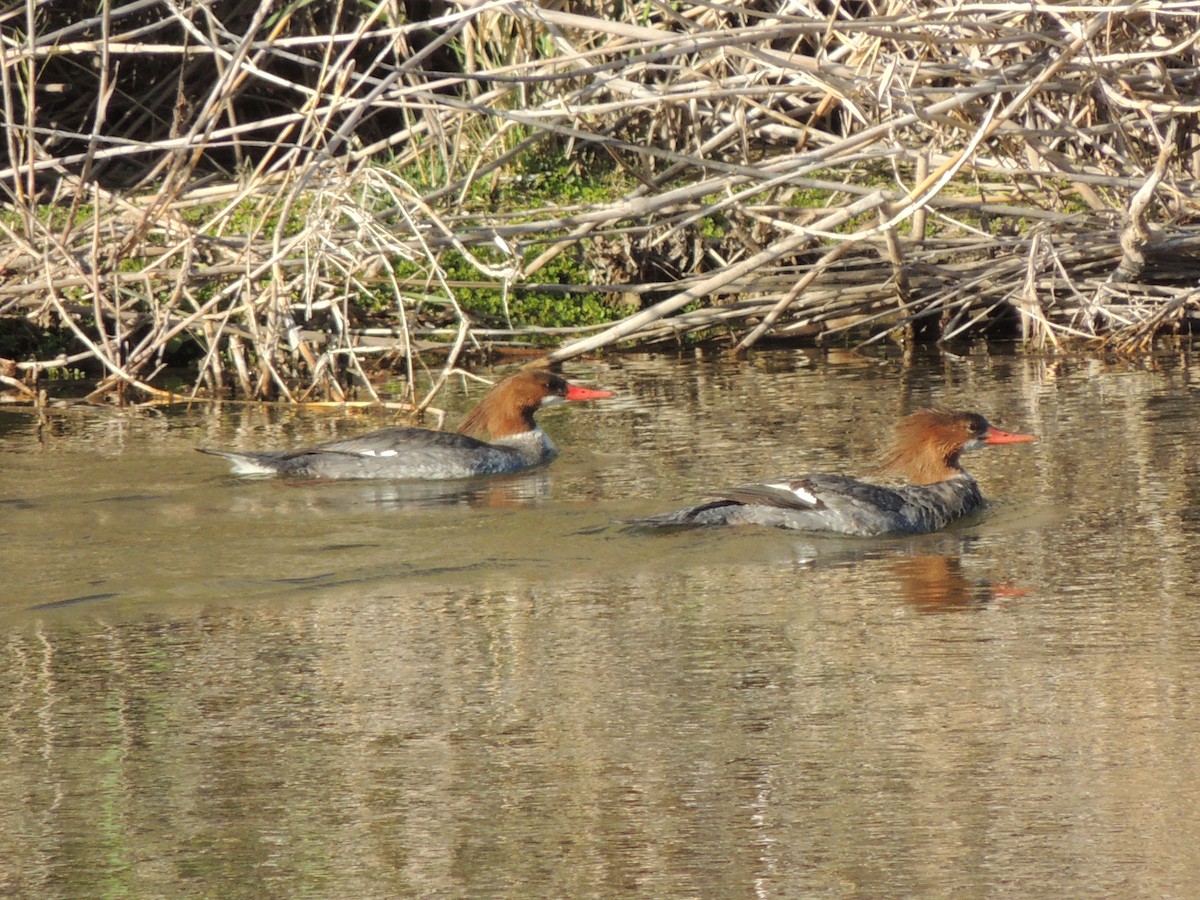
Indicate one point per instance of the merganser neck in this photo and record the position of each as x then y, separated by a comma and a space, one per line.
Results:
500, 418
508, 409
927, 445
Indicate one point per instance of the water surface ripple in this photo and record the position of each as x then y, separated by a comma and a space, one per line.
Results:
221, 687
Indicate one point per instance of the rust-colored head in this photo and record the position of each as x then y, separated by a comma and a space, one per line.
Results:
509, 407
928, 443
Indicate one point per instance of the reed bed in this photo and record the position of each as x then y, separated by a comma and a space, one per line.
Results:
291, 199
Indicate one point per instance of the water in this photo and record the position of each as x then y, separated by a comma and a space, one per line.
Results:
212, 686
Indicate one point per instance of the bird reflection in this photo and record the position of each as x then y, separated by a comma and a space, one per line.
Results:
485, 493
936, 583
928, 574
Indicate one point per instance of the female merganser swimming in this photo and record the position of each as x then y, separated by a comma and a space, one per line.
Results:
926, 451
506, 413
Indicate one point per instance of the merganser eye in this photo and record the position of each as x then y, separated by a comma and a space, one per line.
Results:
978, 424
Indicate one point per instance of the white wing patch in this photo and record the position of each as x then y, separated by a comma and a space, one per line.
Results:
245, 466
378, 453
799, 491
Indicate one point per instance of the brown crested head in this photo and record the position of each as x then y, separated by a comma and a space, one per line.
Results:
509, 407
928, 443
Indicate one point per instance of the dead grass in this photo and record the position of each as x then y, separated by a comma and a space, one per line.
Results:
239, 178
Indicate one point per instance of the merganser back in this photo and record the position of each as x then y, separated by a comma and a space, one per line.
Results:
505, 413
926, 451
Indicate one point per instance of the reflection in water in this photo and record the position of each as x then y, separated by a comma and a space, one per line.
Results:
937, 583
512, 491
928, 573
215, 686
72, 601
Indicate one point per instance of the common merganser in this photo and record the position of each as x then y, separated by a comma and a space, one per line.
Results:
926, 451
505, 413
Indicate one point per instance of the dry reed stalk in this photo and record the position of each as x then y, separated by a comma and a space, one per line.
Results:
223, 185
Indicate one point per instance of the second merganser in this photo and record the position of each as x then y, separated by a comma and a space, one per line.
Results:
505, 413
926, 451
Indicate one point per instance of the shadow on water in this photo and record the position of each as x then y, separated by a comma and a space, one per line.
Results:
72, 601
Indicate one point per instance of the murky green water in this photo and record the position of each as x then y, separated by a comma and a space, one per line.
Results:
221, 687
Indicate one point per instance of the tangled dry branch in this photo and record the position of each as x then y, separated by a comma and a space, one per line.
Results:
296, 195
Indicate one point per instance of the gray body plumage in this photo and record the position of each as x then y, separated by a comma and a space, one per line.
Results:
400, 452
833, 503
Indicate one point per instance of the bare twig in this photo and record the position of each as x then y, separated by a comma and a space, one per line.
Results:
225, 176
